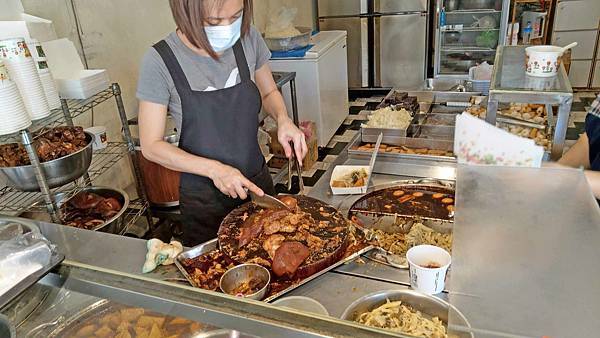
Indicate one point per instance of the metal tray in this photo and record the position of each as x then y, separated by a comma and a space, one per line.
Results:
412, 142
440, 119
30, 280
213, 244
436, 132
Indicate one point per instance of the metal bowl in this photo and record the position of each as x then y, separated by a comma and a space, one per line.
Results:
58, 172
290, 43
428, 305
242, 273
114, 225
7, 330
477, 4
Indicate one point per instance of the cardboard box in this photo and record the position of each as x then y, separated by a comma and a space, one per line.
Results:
309, 128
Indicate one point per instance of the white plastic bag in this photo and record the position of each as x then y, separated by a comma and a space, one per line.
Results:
483, 72
281, 23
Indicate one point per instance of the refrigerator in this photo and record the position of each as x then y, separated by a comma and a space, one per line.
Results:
469, 35
584, 71
387, 40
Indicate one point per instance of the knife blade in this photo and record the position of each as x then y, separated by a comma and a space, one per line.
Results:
267, 201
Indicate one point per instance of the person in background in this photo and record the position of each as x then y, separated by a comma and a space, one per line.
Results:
585, 153
212, 75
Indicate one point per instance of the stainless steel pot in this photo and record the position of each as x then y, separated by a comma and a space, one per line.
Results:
58, 172
114, 225
428, 305
477, 4
290, 43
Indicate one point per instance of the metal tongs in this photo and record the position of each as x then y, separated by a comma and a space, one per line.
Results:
298, 171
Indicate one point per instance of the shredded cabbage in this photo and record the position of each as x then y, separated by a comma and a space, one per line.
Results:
389, 118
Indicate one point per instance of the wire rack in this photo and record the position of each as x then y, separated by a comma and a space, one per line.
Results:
14, 202
57, 116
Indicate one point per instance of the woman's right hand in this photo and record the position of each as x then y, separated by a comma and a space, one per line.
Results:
232, 183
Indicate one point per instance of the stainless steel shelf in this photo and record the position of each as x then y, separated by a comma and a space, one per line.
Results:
473, 11
14, 202
450, 48
57, 116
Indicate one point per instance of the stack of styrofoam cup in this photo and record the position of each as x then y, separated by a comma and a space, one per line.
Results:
22, 70
13, 115
37, 52
50, 89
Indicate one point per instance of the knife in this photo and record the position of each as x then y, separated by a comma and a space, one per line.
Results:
267, 201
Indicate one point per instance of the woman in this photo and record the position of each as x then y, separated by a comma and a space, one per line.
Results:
211, 75
586, 152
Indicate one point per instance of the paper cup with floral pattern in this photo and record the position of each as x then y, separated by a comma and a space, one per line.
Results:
427, 268
542, 61
14, 50
4, 76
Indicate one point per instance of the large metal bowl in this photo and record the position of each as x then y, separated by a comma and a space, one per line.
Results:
290, 43
58, 172
428, 305
114, 225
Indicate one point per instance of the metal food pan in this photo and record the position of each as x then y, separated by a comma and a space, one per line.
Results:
443, 109
439, 144
213, 244
194, 252
436, 132
440, 119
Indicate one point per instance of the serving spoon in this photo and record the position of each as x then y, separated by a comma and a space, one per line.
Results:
569, 46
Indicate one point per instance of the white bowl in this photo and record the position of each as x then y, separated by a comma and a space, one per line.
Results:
301, 303
542, 61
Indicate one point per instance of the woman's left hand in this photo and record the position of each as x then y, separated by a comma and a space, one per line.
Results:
288, 132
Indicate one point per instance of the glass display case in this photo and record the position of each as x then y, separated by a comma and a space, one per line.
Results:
468, 33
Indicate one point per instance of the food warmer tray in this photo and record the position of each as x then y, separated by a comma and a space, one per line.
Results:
411, 142
214, 244
33, 278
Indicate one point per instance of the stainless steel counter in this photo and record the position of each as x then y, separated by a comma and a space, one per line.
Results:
510, 260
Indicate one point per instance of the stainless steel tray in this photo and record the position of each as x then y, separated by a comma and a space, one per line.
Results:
30, 280
387, 132
412, 142
213, 244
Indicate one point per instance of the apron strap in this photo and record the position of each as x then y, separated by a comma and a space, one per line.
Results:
173, 66
240, 60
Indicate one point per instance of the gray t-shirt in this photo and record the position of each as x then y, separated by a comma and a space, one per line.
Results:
203, 73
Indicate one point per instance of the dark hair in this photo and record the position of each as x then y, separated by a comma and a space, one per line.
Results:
189, 16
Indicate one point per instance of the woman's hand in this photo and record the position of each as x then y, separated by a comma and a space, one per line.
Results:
288, 132
231, 182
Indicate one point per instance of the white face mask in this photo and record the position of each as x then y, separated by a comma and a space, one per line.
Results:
224, 37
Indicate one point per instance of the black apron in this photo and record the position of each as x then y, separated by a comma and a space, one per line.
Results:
221, 125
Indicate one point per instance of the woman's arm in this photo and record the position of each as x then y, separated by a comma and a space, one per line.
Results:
275, 106
593, 178
578, 155
152, 119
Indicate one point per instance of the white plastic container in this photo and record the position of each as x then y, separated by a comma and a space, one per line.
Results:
342, 170
301, 303
425, 279
100, 141
542, 61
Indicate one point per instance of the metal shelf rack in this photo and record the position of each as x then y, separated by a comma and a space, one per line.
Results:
14, 202
510, 83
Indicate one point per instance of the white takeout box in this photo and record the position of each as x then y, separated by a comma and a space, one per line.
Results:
341, 170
